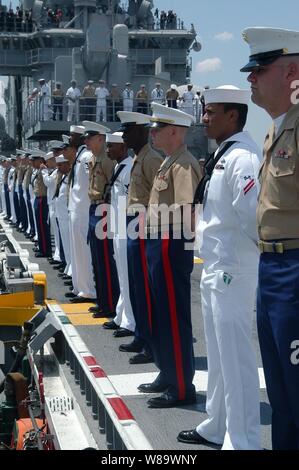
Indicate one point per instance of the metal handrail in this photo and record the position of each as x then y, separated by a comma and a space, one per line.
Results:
56, 108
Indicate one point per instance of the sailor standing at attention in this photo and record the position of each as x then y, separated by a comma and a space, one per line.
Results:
146, 163
82, 274
101, 247
117, 151
229, 279
273, 74
170, 260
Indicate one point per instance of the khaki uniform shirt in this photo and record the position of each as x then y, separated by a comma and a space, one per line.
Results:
141, 96
5, 176
145, 167
88, 92
27, 177
20, 176
39, 188
278, 204
58, 93
174, 185
100, 172
172, 94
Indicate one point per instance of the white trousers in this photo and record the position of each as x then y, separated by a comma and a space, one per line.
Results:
12, 206
55, 231
124, 314
82, 272
32, 205
128, 105
101, 111
65, 238
73, 108
233, 405
3, 205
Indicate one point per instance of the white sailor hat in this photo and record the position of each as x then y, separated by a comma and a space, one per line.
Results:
77, 129
20, 152
66, 140
130, 118
115, 138
173, 86
268, 44
226, 94
13, 157
55, 145
163, 116
93, 128
41, 80
48, 156
61, 159
36, 153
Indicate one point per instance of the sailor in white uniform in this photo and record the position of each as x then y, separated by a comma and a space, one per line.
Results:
44, 100
11, 186
61, 210
73, 95
128, 98
102, 94
188, 101
230, 275
117, 150
82, 273
158, 95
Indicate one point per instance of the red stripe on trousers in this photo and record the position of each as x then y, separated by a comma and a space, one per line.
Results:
44, 244
108, 273
173, 317
145, 274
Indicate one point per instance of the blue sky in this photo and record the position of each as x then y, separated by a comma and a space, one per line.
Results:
223, 55
219, 24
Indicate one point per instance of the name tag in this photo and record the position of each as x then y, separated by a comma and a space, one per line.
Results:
282, 154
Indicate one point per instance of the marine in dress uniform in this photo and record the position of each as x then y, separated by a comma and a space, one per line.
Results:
101, 248
41, 209
169, 261
117, 151
82, 273
89, 100
229, 278
22, 203
146, 163
274, 69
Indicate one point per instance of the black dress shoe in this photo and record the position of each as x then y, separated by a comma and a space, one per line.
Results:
141, 358
77, 300
59, 266
168, 401
99, 314
152, 388
192, 437
94, 308
68, 283
135, 346
122, 332
54, 262
110, 325
39, 255
70, 295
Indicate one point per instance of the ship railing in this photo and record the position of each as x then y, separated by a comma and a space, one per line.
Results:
43, 109
15, 24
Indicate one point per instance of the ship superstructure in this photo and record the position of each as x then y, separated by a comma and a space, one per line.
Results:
86, 40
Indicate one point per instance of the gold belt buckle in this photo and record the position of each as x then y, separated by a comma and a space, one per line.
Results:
278, 248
